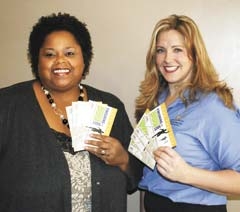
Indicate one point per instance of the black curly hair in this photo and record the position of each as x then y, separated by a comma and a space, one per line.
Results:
57, 22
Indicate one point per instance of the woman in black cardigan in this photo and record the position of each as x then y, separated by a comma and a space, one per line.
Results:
40, 171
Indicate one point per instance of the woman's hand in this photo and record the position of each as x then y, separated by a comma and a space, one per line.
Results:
109, 149
170, 164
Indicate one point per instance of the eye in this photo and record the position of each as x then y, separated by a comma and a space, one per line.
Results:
176, 50
70, 53
160, 50
49, 54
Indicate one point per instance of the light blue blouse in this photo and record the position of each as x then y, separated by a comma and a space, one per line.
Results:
208, 137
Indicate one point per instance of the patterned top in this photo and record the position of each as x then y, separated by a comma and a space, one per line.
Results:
80, 171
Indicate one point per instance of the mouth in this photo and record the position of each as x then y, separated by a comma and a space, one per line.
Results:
170, 68
61, 71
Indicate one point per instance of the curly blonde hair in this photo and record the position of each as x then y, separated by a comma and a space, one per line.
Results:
205, 77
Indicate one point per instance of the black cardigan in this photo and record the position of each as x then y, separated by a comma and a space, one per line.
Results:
34, 172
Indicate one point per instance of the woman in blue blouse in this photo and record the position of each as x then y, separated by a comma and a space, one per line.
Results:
204, 167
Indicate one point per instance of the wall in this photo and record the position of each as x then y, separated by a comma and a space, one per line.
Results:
121, 33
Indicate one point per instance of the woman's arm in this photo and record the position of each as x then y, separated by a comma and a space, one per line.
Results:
172, 166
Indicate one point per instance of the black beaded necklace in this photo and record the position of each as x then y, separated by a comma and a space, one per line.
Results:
56, 110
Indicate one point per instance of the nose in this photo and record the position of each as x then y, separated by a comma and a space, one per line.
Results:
60, 59
168, 57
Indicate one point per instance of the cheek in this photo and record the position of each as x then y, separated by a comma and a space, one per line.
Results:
44, 67
43, 63
79, 64
159, 60
188, 63
183, 58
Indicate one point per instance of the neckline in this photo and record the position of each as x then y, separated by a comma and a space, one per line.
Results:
56, 110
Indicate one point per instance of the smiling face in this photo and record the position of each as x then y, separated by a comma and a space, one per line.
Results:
172, 58
61, 61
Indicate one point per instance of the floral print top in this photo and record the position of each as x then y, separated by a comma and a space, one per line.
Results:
80, 171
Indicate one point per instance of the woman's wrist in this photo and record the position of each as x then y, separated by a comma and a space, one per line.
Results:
124, 165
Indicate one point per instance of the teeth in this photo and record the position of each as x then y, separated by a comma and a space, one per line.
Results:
172, 68
61, 71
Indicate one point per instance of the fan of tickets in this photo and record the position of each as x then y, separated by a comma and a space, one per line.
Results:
152, 131
89, 117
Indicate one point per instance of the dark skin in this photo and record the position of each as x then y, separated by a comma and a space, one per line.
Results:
109, 150
60, 69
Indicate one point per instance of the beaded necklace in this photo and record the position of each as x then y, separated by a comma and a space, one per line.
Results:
56, 110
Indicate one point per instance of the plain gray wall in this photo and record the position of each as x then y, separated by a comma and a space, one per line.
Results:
121, 33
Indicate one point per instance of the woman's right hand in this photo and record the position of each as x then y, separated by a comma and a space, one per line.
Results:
109, 149
170, 164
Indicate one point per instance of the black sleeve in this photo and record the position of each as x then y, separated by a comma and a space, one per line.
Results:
122, 130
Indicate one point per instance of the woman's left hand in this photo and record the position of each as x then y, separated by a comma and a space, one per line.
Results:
109, 149
170, 164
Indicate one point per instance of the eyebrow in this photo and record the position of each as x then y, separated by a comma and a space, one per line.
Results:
50, 48
177, 46
70, 47
171, 46
47, 48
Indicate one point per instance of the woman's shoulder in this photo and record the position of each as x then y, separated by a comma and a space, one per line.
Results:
212, 104
210, 100
17, 88
15, 95
107, 97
